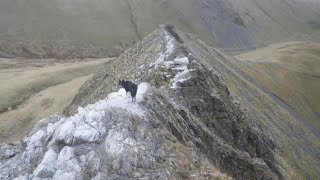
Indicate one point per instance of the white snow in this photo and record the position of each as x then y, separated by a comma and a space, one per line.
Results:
158, 61
170, 45
168, 64
179, 64
24, 177
142, 67
182, 61
86, 125
66, 154
114, 142
87, 133
9, 153
47, 167
65, 131
119, 100
184, 75
34, 146
36, 139
100, 176
168, 50
130, 141
67, 161
181, 77
52, 127
142, 89
61, 175
183, 71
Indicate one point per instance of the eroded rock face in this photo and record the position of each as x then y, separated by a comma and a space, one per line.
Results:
186, 123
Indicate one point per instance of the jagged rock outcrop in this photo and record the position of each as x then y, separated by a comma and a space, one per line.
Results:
197, 116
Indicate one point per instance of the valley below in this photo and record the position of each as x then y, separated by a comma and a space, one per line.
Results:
32, 89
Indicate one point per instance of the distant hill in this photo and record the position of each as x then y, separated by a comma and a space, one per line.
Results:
291, 72
80, 28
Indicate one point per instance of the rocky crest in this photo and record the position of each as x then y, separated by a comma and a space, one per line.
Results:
197, 116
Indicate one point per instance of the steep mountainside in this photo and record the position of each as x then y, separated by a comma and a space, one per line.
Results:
291, 72
95, 28
197, 116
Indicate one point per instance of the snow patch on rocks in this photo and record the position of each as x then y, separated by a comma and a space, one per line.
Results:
181, 77
61, 175
67, 161
36, 139
170, 44
50, 151
47, 168
181, 65
169, 48
114, 143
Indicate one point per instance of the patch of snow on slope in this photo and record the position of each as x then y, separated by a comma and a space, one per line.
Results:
170, 45
85, 125
183, 71
47, 167
168, 50
67, 160
181, 77
114, 143
182, 63
88, 126
36, 139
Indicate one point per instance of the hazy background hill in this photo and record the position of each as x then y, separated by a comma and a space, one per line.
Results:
95, 28
291, 72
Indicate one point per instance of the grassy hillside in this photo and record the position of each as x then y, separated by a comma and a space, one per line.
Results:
291, 72
67, 25
33, 89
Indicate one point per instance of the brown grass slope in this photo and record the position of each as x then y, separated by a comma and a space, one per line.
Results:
32, 89
291, 72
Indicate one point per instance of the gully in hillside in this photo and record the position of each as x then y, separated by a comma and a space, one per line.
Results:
129, 87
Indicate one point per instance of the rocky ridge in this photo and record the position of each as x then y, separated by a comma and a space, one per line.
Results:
197, 116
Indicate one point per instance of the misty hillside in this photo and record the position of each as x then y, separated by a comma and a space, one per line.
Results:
80, 28
290, 71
